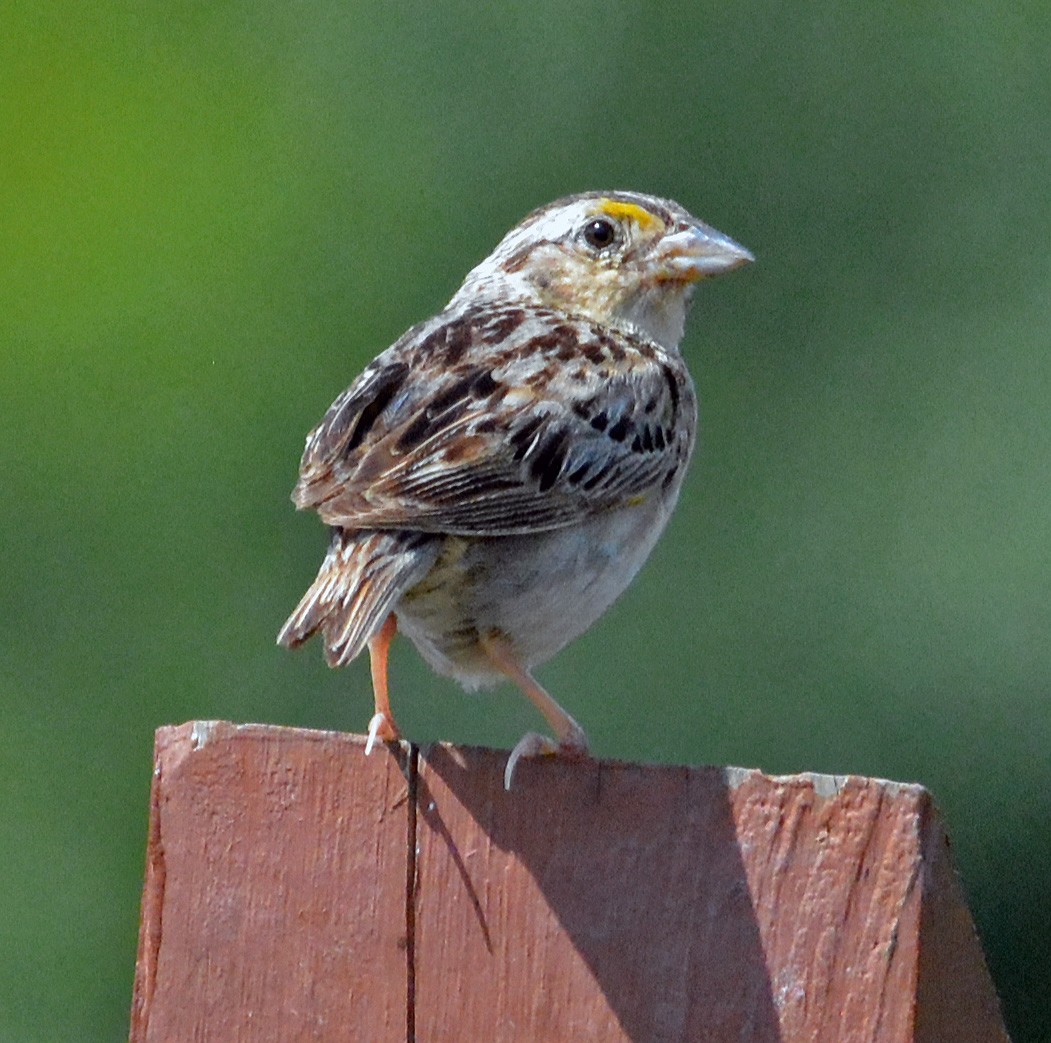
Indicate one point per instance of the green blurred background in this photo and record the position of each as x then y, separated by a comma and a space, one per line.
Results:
212, 215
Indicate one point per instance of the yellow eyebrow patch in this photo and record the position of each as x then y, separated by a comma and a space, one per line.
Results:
629, 211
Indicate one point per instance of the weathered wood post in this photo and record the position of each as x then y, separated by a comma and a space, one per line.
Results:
297, 890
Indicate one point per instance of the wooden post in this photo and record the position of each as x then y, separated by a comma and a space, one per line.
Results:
297, 890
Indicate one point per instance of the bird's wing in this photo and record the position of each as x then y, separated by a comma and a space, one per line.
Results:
501, 420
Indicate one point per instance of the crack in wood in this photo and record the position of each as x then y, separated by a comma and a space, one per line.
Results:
411, 881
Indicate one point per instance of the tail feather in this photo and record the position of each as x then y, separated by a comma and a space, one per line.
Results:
357, 586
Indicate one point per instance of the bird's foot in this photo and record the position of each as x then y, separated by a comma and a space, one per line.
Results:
533, 744
381, 728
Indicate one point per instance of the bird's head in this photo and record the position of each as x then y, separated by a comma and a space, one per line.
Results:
622, 259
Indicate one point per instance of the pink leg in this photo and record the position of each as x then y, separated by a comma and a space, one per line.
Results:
571, 737
382, 726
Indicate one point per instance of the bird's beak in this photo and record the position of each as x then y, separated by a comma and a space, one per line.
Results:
699, 252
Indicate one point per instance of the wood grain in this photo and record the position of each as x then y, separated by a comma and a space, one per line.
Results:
297, 890
274, 906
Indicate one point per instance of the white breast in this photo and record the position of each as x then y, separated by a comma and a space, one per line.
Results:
541, 591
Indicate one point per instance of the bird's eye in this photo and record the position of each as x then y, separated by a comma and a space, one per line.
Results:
600, 233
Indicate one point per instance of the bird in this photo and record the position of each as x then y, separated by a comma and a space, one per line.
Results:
494, 480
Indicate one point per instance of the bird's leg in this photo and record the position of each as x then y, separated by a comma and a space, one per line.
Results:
571, 737
382, 725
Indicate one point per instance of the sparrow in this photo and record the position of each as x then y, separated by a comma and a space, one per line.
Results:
494, 480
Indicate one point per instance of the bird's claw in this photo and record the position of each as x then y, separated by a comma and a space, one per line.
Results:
381, 728
533, 744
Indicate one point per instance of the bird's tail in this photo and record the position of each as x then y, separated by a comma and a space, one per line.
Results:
358, 584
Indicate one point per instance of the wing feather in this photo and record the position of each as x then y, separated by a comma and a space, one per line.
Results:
500, 421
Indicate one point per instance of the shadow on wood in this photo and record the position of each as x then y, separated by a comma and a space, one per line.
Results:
297, 890
600, 901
